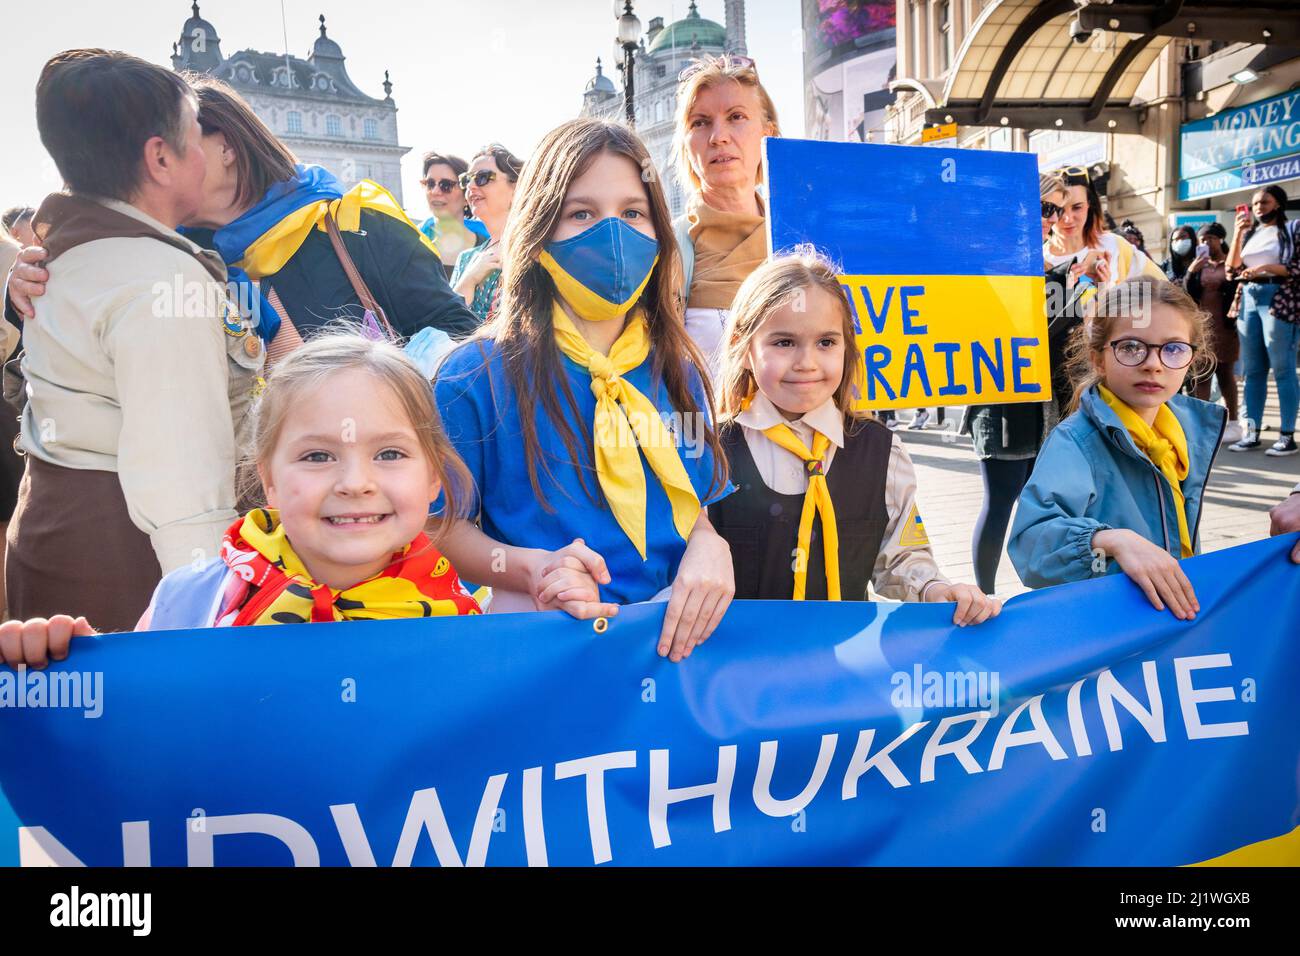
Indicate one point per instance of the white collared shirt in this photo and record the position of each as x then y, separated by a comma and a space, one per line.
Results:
902, 572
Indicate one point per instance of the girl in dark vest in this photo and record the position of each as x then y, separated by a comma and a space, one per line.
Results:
827, 495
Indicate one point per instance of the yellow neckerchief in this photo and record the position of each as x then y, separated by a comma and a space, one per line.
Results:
425, 585
623, 435
1166, 445
267, 254
818, 498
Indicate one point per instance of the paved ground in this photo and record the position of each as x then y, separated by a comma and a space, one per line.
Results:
1243, 486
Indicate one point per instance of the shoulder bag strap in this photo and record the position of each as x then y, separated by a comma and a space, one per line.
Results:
368, 301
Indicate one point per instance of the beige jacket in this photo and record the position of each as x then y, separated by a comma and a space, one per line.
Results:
905, 569
136, 364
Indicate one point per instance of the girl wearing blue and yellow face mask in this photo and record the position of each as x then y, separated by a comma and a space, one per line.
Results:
582, 410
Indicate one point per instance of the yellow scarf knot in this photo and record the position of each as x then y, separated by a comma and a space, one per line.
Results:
627, 425
1165, 444
816, 499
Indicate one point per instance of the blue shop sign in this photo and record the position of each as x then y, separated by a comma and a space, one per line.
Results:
1241, 148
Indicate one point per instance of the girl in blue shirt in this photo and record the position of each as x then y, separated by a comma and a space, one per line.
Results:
582, 410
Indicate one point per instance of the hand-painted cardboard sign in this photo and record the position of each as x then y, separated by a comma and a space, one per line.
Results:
941, 259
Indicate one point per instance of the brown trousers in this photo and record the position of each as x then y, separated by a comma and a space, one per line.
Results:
73, 549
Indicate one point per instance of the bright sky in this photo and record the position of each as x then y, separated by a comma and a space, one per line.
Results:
464, 73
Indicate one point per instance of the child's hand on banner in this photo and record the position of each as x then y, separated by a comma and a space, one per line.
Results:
569, 580
701, 593
1151, 568
1285, 518
37, 642
973, 605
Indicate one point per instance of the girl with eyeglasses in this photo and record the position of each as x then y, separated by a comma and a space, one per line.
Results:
489, 186
1081, 228
1118, 485
446, 226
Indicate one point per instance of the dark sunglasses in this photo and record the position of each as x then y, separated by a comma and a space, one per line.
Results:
443, 185
728, 61
1051, 210
1133, 352
479, 179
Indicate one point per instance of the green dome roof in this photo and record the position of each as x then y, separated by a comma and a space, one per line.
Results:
683, 33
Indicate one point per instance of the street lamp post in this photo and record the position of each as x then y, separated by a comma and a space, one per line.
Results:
629, 31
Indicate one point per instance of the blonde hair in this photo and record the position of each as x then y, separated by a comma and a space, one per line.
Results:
703, 73
342, 348
771, 286
1131, 299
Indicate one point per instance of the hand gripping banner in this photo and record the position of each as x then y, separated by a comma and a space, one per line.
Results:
1079, 728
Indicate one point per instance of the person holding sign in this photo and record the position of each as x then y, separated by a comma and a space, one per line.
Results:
1118, 485
1082, 228
562, 407
723, 114
827, 496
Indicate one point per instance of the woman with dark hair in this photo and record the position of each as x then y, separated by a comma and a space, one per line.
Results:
17, 223
1260, 256
1182, 248
1206, 281
489, 186
300, 248
446, 225
1082, 228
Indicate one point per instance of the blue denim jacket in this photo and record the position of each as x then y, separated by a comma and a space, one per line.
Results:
1090, 476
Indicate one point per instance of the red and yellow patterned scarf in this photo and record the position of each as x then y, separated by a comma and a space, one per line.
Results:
270, 585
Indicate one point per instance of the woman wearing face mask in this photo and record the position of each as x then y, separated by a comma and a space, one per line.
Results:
559, 407
1182, 247
1261, 251
723, 113
489, 188
446, 226
1207, 282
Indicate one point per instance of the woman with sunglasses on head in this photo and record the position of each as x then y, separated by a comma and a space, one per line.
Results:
1082, 228
1007, 437
446, 226
723, 113
489, 186
1263, 258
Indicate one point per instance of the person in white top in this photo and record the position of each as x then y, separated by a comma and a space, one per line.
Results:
1082, 228
1262, 246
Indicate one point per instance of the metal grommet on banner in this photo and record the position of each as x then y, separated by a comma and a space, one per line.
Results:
600, 625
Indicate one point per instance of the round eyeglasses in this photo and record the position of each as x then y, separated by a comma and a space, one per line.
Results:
1133, 352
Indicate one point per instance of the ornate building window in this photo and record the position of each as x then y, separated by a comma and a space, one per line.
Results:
333, 125
294, 122
372, 129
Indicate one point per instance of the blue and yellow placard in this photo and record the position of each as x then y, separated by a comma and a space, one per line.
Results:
941, 259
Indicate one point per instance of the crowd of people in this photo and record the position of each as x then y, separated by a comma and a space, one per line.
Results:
206, 343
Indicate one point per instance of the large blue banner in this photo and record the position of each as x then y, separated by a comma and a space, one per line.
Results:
1080, 727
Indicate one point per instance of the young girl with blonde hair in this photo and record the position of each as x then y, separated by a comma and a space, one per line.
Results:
349, 452
827, 496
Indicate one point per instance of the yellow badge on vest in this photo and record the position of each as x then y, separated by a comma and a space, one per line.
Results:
913, 534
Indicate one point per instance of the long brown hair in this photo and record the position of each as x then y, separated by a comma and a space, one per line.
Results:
261, 160
778, 282
1131, 299
523, 329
